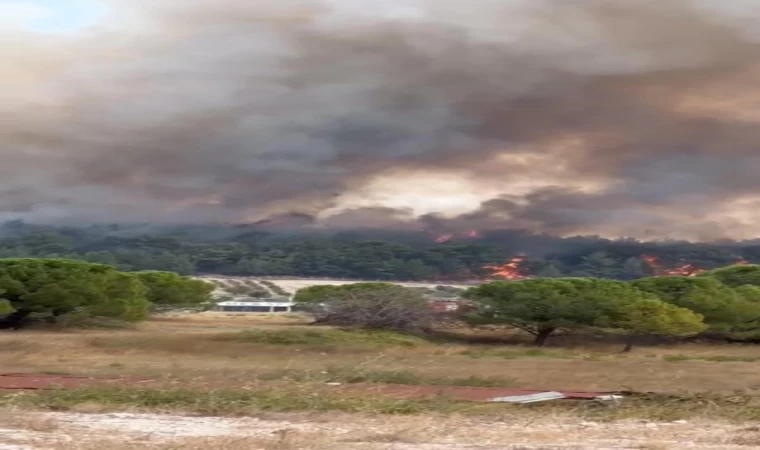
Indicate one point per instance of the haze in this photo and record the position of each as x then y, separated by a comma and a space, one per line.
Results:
591, 117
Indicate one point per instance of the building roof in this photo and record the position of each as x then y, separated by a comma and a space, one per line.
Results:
255, 304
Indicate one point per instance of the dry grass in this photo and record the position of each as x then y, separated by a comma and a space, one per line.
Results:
220, 351
275, 368
203, 348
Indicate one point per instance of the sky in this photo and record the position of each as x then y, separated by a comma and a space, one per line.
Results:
50, 16
565, 117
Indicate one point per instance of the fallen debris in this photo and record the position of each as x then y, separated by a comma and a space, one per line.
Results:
479, 394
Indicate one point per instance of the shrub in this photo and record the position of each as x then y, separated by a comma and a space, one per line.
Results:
369, 306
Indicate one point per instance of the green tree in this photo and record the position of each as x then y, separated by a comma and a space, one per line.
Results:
51, 288
539, 306
750, 293
168, 288
654, 317
126, 298
259, 293
321, 293
598, 264
723, 308
735, 276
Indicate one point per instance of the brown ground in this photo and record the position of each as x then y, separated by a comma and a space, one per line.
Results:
127, 431
185, 351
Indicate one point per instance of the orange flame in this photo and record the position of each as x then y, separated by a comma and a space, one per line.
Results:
510, 271
448, 237
741, 262
685, 270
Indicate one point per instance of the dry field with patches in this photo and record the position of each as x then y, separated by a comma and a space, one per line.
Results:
269, 376
291, 285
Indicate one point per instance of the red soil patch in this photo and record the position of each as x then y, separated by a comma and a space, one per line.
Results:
13, 381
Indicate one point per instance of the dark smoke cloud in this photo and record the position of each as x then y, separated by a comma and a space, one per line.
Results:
623, 118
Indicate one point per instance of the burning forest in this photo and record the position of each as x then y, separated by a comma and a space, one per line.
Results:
679, 270
659, 270
513, 270
450, 237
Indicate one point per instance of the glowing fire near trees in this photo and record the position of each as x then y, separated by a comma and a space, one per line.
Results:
448, 237
444, 238
685, 270
513, 270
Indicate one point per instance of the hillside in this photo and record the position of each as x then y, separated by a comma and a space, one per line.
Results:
250, 250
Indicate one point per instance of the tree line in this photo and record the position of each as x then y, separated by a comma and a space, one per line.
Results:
365, 255
59, 291
723, 303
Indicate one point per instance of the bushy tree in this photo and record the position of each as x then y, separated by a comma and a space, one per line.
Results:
540, 306
648, 316
259, 293
749, 293
169, 288
319, 293
543, 306
735, 276
52, 287
723, 308
126, 298
368, 306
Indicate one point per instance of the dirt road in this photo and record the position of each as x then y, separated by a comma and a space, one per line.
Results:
77, 431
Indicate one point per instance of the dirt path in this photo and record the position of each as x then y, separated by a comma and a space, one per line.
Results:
74, 431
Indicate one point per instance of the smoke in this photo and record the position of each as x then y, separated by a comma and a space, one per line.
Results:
591, 116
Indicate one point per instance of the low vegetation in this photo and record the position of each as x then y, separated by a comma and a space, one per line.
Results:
324, 339
667, 307
353, 375
369, 306
739, 407
280, 364
376, 334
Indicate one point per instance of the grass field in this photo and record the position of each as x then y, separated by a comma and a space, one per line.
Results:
219, 365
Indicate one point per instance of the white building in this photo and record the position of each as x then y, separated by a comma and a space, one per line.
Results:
259, 307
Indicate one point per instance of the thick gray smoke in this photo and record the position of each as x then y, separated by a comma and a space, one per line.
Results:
622, 118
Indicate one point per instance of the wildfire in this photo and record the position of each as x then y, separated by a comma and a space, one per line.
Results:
741, 262
473, 234
685, 270
513, 270
448, 237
